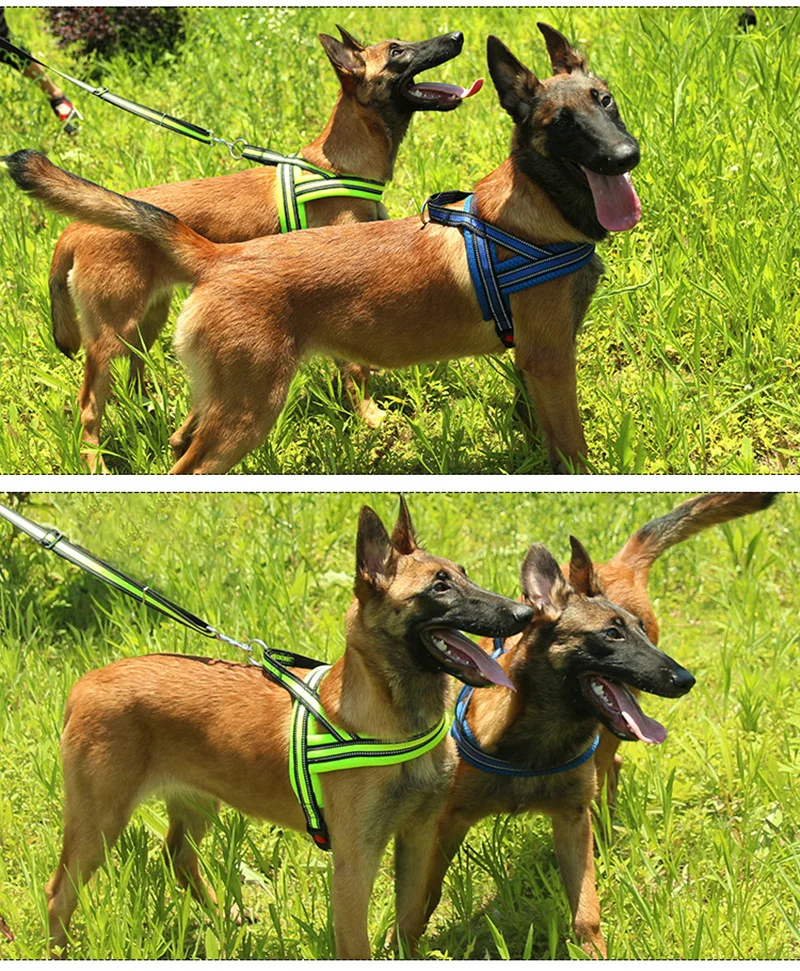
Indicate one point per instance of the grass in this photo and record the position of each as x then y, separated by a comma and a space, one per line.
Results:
689, 360
702, 858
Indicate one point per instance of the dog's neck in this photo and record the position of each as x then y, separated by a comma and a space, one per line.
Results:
513, 199
538, 725
377, 688
357, 141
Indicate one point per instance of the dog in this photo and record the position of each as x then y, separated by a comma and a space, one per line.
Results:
110, 289
207, 731
624, 578
394, 293
569, 668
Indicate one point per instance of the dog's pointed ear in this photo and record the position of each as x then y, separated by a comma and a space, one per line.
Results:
563, 56
373, 550
582, 575
349, 40
516, 85
347, 61
404, 539
544, 586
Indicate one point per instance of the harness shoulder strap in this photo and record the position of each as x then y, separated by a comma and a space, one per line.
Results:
295, 187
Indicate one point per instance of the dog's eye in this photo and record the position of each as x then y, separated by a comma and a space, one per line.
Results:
606, 101
395, 50
442, 585
613, 634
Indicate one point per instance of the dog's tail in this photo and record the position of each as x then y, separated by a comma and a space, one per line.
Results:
66, 332
68, 194
685, 520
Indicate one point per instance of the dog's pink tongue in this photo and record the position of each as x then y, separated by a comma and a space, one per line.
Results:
646, 729
615, 201
453, 90
470, 652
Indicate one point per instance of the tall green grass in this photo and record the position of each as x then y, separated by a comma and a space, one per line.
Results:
701, 860
689, 361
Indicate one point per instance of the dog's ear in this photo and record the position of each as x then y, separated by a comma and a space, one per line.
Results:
582, 575
516, 85
544, 586
347, 61
564, 58
349, 40
403, 538
373, 551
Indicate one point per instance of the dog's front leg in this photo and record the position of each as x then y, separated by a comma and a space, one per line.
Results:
549, 372
574, 846
415, 848
355, 864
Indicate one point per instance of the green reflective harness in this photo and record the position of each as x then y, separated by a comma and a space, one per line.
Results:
297, 185
312, 752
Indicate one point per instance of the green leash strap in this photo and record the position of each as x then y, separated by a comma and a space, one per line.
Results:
312, 752
53, 539
335, 185
295, 187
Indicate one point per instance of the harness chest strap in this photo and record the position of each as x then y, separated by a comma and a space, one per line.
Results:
470, 750
312, 752
295, 187
492, 279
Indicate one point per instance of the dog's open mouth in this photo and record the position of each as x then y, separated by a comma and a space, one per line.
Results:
437, 95
620, 711
461, 657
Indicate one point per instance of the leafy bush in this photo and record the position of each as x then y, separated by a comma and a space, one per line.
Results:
108, 30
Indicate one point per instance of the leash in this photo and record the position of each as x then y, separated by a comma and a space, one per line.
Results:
334, 185
470, 750
493, 281
311, 752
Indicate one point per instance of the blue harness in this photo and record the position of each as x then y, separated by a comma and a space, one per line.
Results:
493, 281
470, 750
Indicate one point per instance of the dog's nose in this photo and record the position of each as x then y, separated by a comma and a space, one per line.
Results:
625, 156
523, 614
683, 681
457, 38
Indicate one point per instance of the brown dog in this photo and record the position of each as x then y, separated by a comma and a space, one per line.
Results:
555, 712
108, 287
395, 293
574, 656
204, 731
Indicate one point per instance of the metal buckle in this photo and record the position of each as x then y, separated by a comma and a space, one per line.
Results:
232, 148
50, 538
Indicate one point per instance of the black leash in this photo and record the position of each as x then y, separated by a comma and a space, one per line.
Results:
238, 148
53, 539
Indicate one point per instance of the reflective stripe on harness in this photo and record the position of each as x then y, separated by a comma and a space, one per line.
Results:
296, 186
312, 752
530, 265
470, 750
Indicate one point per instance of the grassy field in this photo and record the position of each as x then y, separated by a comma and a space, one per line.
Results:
690, 358
702, 859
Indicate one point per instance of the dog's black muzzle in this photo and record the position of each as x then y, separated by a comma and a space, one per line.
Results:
423, 56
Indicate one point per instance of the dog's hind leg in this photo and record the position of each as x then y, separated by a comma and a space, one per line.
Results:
145, 336
94, 816
574, 846
235, 416
181, 440
355, 382
190, 817
94, 394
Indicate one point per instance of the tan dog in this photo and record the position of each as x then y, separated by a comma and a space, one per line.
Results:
395, 293
546, 727
108, 287
569, 669
203, 731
